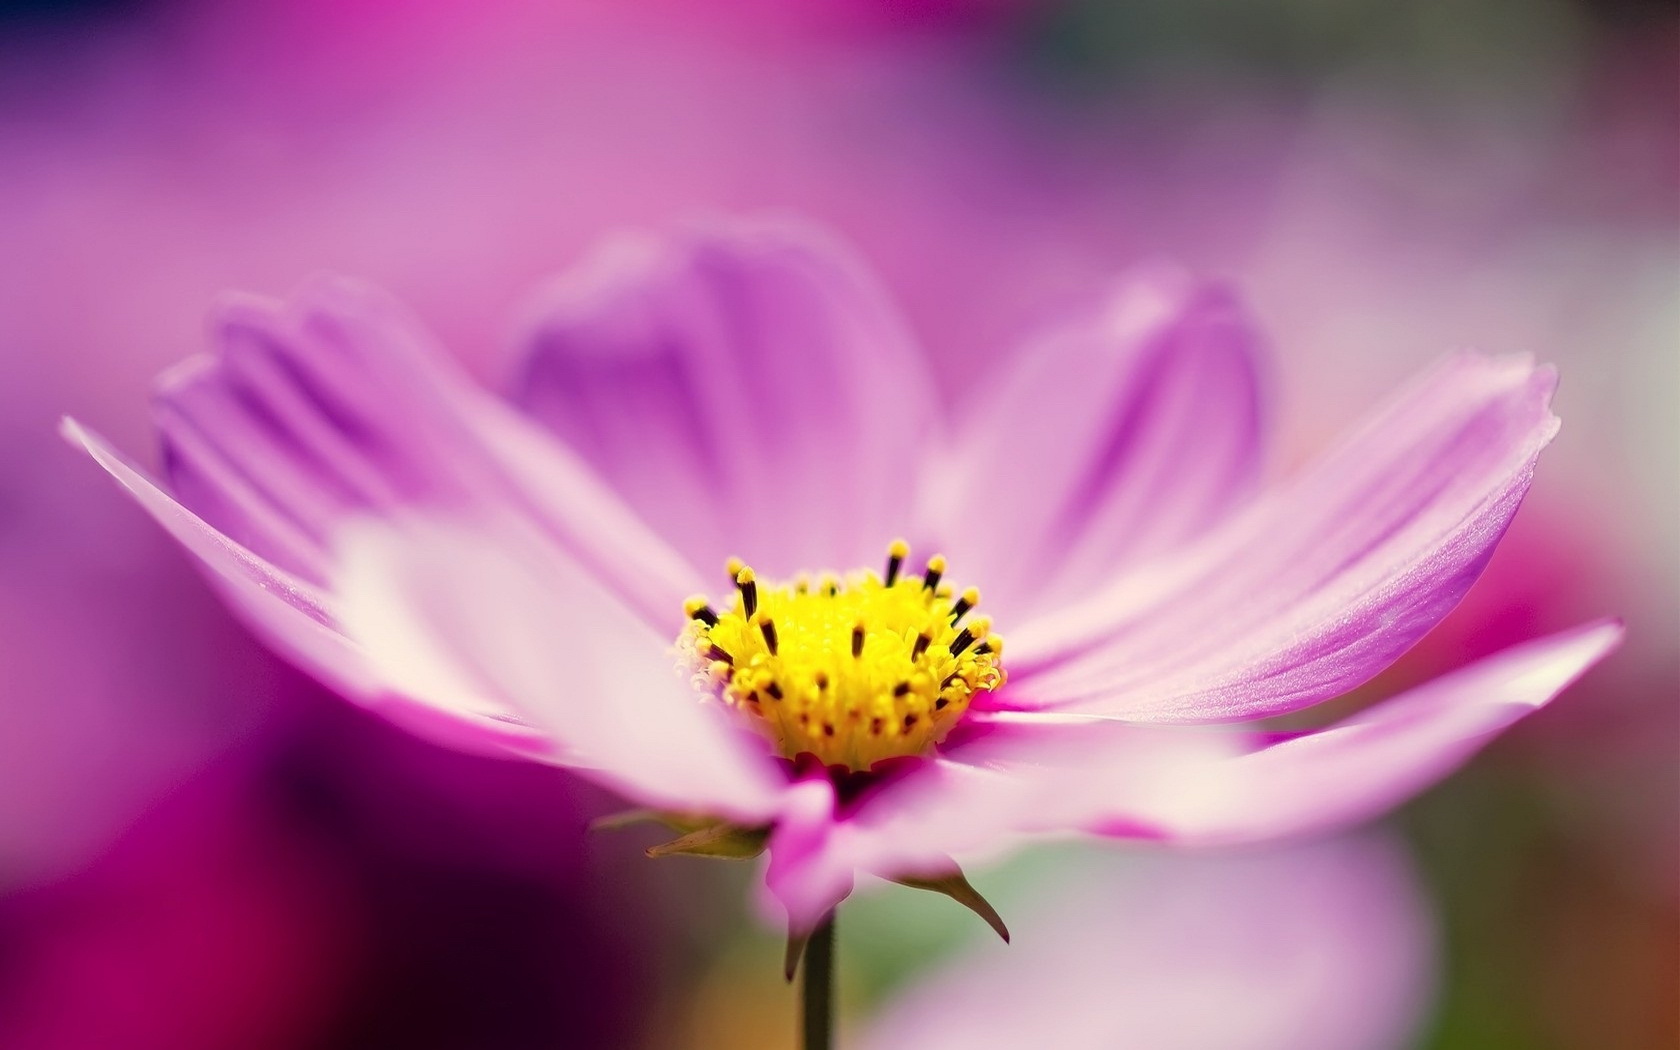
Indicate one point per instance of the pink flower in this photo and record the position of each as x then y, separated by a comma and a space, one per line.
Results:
513, 575
1325, 947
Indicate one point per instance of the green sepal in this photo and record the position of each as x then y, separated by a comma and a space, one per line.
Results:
682, 823
956, 886
723, 840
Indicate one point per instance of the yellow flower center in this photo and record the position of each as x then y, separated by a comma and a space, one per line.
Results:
851, 671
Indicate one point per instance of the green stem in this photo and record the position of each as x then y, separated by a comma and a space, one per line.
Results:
817, 988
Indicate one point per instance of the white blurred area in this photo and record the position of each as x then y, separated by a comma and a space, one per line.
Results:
1322, 947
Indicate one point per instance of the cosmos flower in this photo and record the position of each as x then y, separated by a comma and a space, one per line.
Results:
1323, 947
521, 575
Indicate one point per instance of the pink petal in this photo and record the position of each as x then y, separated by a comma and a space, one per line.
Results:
337, 404
295, 613
790, 883
1327, 947
1025, 774
1361, 767
334, 407
1031, 773
748, 390
1111, 440
463, 617
299, 619
1323, 584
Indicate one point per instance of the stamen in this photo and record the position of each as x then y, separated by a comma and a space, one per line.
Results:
935, 569
744, 581
795, 659
923, 640
975, 630
895, 560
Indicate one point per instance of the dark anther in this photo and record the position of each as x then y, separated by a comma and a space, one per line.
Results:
716, 652
749, 595
895, 562
706, 615
923, 640
901, 688
857, 641
940, 704
774, 689
930, 579
768, 629
962, 641
909, 722
961, 606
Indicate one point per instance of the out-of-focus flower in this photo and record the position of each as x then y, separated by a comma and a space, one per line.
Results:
1326, 947
513, 580
206, 926
348, 886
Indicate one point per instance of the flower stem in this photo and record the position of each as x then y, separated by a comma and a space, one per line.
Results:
817, 988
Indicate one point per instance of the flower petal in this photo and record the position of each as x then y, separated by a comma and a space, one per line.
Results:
791, 879
1320, 586
300, 620
747, 389
459, 615
1028, 773
1326, 947
1361, 767
1017, 775
337, 404
1111, 440
294, 613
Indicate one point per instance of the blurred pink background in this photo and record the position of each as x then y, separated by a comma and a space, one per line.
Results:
200, 849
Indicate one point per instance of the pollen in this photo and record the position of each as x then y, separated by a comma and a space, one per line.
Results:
853, 671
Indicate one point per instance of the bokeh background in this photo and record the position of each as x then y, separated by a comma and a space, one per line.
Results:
200, 849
